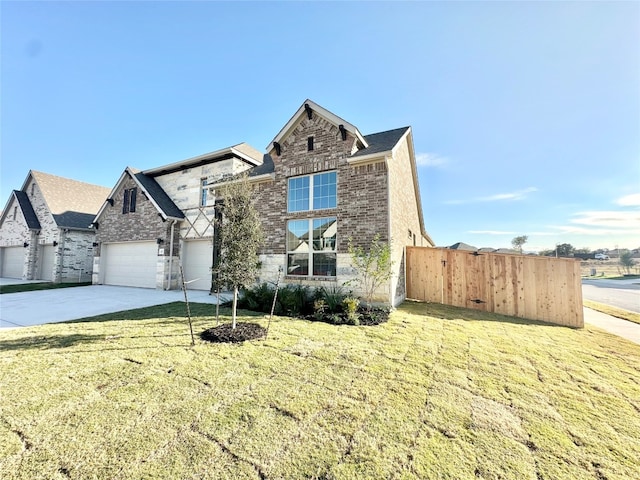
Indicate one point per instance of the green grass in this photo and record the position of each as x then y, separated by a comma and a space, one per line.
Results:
613, 311
31, 287
435, 393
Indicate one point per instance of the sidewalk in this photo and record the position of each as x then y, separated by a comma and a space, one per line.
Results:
617, 326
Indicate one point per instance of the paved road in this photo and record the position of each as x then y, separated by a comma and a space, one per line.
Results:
618, 293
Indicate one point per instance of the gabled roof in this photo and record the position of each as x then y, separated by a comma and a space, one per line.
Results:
322, 112
70, 202
463, 246
158, 196
154, 192
381, 142
27, 209
242, 151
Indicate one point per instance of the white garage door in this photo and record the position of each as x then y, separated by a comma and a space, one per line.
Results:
130, 264
197, 258
12, 261
46, 262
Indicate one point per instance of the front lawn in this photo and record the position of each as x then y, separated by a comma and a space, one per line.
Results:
32, 287
436, 392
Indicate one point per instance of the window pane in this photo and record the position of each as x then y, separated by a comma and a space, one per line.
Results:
298, 264
298, 236
324, 264
298, 194
324, 190
324, 234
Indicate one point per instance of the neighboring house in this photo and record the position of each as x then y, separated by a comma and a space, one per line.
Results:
44, 229
320, 184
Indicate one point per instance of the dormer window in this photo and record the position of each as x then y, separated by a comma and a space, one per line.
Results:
129, 200
310, 144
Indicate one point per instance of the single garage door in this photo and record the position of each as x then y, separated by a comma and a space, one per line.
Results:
12, 261
46, 262
197, 258
130, 264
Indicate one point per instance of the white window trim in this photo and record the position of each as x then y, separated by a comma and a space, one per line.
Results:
311, 251
311, 184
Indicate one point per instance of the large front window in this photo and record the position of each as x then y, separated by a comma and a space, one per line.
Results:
312, 192
311, 247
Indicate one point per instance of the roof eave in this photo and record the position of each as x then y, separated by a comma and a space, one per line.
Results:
201, 159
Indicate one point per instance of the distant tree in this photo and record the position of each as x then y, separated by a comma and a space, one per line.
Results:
240, 238
547, 253
584, 250
627, 261
564, 250
518, 242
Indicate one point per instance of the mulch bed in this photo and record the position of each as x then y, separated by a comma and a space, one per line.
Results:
225, 334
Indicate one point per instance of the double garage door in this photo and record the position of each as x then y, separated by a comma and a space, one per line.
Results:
135, 264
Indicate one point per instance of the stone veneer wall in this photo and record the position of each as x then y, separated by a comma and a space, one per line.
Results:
361, 209
74, 257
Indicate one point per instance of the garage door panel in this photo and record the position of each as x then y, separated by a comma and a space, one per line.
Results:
12, 261
46, 262
131, 264
197, 259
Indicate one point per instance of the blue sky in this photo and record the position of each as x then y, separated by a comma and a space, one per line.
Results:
526, 116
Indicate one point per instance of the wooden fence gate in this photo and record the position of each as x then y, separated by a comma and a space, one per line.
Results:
525, 286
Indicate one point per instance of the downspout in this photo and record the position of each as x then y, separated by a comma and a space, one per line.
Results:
173, 224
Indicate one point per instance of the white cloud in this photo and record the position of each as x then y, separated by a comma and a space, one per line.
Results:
629, 200
609, 219
430, 160
498, 197
491, 232
517, 195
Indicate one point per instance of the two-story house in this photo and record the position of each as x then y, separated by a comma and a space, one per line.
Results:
320, 184
44, 229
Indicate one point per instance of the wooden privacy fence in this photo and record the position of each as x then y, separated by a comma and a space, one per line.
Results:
525, 286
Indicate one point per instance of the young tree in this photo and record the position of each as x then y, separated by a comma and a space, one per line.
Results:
240, 238
627, 261
372, 266
518, 242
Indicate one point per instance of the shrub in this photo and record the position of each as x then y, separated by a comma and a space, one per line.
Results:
333, 297
350, 306
294, 300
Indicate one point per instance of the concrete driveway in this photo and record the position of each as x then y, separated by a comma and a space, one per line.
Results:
26, 309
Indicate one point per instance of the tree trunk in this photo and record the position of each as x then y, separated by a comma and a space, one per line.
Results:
233, 308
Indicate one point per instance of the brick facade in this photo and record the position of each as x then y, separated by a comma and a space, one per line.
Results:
142, 225
376, 193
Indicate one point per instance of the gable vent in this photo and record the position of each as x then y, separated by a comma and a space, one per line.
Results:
308, 110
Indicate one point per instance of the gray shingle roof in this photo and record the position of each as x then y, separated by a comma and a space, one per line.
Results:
159, 196
27, 210
265, 168
381, 142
